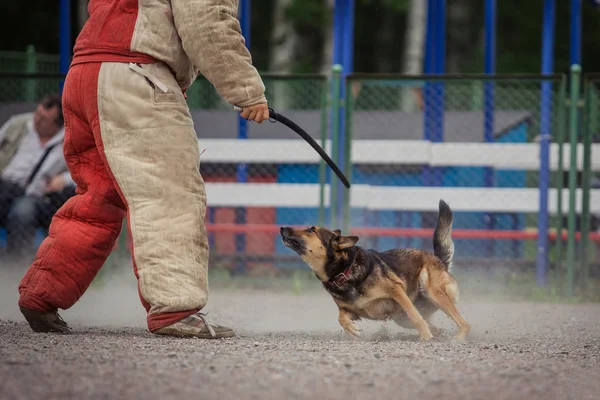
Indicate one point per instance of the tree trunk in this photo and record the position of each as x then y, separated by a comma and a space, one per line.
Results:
284, 44
414, 51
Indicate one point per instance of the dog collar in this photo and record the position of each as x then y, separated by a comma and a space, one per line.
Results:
340, 278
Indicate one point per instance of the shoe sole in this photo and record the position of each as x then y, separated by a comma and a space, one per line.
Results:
178, 333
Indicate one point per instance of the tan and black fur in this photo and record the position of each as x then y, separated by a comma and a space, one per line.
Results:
404, 285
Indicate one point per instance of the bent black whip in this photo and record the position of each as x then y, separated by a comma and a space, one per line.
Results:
277, 117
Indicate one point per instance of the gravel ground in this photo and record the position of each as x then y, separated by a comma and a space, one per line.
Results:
291, 346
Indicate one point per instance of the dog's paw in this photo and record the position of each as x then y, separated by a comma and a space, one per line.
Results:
425, 336
459, 339
435, 330
352, 330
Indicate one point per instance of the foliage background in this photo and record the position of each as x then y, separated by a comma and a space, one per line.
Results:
379, 36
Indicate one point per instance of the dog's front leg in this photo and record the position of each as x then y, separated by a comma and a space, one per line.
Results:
402, 299
346, 319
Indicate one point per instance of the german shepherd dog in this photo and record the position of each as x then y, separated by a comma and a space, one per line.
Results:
404, 285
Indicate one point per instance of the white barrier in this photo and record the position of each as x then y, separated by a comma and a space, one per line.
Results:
400, 198
504, 156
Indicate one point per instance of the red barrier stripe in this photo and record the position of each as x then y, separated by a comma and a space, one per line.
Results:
404, 232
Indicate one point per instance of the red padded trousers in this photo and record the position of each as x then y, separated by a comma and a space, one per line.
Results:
132, 150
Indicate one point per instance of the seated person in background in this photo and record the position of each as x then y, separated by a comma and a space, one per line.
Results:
34, 179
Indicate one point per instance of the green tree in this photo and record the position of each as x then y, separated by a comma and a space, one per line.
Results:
378, 37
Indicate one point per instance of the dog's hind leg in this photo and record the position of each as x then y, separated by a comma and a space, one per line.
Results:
443, 291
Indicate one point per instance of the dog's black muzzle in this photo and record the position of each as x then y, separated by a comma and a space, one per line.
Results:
289, 240
285, 231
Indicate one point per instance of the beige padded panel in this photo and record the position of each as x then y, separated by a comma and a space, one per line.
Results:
152, 150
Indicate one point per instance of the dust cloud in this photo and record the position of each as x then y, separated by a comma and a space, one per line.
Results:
112, 301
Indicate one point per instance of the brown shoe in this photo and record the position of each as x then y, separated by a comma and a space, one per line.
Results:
196, 325
45, 321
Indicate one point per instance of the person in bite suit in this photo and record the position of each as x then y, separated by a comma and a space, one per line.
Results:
131, 148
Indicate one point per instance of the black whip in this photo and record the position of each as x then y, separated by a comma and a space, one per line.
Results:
277, 117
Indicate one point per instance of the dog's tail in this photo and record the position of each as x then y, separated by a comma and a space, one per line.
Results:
443, 246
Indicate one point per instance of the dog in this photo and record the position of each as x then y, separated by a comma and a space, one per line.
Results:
405, 285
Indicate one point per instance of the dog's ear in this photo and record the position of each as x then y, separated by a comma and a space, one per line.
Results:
344, 242
337, 232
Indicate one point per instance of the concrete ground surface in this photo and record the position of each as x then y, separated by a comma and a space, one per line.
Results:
290, 346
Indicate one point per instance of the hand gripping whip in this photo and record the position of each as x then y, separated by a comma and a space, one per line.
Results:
277, 117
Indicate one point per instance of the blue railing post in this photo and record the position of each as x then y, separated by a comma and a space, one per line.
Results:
429, 68
545, 136
433, 92
575, 45
488, 112
435, 63
343, 54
